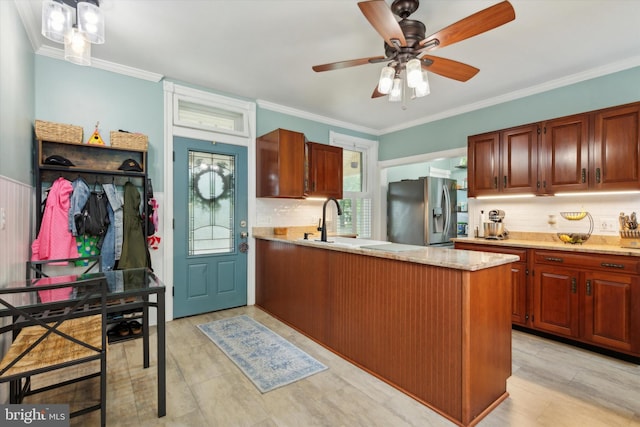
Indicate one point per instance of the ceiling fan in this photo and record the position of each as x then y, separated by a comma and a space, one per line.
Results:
406, 45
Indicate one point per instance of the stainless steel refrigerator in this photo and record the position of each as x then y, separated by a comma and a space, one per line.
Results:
422, 211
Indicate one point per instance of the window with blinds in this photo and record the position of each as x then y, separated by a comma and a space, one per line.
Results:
357, 199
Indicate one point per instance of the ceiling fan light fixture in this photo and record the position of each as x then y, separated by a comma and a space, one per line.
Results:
423, 88
396, 91
56, 20
414, 73
91, 21
386, 80
77, 48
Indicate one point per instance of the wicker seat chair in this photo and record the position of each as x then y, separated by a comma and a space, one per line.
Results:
55, 323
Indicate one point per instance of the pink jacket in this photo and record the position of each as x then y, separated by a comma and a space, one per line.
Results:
55, 241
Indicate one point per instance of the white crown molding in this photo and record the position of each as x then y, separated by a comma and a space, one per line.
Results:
101, 64
32, 28
533, 90
316, 118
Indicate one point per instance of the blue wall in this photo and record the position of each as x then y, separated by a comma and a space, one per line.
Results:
268, 120
614, 89
17, 96
68, 93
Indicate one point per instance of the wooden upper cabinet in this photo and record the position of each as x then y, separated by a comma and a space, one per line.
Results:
288, 166
324, 170
519, 158
503, 162
483, 154
564, 154
280, 164
616, 148
598, 150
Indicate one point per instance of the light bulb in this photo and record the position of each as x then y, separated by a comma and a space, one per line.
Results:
414, 73
77, 48
91, 21
56, 20
386, 80
396, 91
423, 88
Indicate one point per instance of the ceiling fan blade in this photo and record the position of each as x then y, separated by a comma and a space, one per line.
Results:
377, 94
472, 25
449, 68
345, 64
381, 18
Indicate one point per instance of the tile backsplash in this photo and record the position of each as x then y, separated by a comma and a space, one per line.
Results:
289, 212
532, 214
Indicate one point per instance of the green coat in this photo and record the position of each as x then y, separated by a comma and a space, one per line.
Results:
134, 245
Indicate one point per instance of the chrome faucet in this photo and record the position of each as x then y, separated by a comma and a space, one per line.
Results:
323, 228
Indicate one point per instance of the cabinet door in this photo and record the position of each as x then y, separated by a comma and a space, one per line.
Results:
609, 318
519, 293
519, 160
556, 300
483, 154
564, 154
616, 149
325, 170
280, 164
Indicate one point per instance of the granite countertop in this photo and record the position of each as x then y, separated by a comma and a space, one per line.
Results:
596, 244
439, 257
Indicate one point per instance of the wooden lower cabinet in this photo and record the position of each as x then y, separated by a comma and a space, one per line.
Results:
440, 335
555, 301
585, 297
611, 306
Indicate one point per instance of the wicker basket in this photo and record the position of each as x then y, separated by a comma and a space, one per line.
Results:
58, 132
133, 141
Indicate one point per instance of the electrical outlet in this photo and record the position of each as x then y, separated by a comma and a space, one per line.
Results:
3, 219
608, 224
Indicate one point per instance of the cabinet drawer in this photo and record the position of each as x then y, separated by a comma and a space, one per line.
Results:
592, 261
521, 253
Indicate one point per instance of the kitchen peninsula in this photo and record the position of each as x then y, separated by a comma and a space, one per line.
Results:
435, 323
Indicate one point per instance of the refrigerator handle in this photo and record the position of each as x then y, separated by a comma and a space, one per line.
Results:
447, 210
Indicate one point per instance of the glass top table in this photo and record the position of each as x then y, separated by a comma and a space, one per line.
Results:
126, 290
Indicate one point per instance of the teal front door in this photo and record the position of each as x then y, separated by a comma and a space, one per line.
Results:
210, 229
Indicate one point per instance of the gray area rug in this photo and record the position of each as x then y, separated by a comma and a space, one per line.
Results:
266, 358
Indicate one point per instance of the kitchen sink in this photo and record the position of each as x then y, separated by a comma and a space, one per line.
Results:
352, 242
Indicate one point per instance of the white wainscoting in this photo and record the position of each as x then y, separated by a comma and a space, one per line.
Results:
16, 201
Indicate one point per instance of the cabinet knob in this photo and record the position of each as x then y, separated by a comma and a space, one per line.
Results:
598, 175
588, 288
583, 175
574, 286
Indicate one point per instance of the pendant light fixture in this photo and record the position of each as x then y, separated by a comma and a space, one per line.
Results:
58, 26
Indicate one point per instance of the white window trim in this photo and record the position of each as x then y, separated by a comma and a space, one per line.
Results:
172, 90
369, 148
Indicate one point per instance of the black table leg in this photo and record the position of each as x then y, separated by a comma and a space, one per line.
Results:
162, 372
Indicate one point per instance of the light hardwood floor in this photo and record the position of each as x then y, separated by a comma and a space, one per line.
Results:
552, 385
